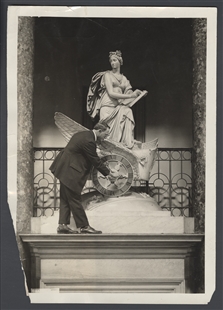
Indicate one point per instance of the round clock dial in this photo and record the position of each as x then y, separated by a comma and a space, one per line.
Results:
118, 185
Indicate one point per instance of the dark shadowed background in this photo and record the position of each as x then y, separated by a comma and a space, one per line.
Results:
157, 56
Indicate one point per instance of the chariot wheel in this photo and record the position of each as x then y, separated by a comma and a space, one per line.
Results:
119, 185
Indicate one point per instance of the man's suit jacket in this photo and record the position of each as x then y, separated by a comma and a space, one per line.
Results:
72, 165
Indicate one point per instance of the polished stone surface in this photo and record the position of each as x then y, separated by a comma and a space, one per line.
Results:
199, 120
25, 134
25, 128
199, 137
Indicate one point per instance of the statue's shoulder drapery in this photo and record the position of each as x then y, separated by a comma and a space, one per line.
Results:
97, 89
95, 92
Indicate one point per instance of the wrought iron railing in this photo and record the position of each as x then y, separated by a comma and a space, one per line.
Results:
170, 182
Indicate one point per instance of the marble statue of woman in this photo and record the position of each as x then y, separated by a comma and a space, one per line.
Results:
107, 95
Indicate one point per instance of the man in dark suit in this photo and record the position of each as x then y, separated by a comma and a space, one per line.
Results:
72, 166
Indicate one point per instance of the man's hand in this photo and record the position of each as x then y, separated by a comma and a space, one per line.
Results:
114, 173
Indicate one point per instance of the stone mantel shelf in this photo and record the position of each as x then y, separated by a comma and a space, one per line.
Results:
117, 245
111, 238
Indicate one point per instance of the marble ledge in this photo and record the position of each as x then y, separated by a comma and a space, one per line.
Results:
111, 237
122, 246
109, 240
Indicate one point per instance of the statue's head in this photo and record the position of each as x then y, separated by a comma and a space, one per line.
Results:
118, 55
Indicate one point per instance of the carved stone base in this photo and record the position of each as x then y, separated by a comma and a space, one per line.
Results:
133, 213
112, 263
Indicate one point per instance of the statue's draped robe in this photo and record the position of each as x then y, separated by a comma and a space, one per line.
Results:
118, 117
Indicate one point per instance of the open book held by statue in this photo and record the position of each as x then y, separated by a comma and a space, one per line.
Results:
111, 97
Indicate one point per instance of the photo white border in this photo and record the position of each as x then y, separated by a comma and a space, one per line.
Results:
210, 189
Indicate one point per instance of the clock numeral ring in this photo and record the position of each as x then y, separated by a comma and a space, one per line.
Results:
114, 187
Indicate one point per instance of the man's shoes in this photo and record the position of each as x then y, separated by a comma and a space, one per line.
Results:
89, 230
64, 229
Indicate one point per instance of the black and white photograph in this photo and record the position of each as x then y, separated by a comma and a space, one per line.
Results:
112, 152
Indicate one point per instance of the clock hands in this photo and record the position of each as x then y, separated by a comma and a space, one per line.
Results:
120, 178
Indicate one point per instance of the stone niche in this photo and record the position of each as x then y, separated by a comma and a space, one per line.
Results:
156, 256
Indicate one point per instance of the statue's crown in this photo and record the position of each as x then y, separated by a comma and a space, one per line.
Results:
117, 53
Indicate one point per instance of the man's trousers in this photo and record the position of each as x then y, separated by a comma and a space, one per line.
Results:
70, 202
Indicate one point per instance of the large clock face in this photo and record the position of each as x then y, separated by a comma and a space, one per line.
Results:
122, 181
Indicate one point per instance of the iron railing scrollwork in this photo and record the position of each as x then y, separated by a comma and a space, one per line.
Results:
170, 182
46, 186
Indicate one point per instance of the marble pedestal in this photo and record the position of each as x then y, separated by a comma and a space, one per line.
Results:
142, 263
133, 213
142, 249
